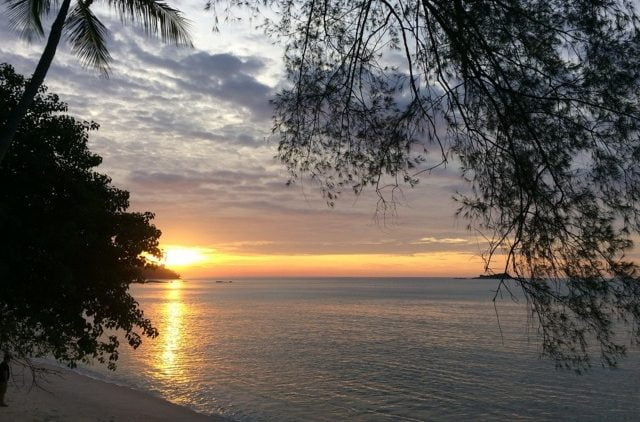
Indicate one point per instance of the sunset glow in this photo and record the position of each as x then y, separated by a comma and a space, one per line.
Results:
198, 263
180, 256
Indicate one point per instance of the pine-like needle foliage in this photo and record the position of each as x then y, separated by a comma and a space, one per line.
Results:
537, 100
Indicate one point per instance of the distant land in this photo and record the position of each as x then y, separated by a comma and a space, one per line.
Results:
159, 273
499, 276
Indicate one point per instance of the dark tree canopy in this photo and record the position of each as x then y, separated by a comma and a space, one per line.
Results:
69, 247
535, 100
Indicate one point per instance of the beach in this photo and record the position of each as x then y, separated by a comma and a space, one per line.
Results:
69, 396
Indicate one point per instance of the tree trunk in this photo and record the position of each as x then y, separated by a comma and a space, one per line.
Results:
17, 114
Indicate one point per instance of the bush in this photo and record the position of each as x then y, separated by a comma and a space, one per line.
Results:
69, 247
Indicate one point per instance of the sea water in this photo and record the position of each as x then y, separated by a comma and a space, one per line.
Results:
365, 349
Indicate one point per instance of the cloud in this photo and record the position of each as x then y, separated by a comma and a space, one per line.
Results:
190, 180
183, 130
223, 76
445, 240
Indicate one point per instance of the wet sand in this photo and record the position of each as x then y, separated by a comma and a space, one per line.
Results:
73, 397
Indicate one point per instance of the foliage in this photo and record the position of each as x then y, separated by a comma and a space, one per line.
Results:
536, 100
69, 247
159, 272
88, 35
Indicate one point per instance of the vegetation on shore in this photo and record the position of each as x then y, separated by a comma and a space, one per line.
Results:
157, 272
70, 248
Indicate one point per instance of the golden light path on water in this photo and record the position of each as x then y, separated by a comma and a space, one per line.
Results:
168, 361
337, 349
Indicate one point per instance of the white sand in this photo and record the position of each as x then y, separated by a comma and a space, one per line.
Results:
72, 397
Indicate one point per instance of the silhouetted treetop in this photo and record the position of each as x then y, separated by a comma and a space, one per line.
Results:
159, 272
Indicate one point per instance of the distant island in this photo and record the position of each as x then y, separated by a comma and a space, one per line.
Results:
159, 274
499, 276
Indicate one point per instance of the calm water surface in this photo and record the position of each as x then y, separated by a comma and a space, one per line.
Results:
360, 349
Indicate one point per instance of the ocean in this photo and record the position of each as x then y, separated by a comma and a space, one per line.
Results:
363, 349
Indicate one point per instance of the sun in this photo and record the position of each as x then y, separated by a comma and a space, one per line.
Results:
182, 256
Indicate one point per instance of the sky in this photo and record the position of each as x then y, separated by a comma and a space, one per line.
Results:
188, 133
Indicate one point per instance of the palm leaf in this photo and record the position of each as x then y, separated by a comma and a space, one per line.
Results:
87, 36
157, 18
25, 16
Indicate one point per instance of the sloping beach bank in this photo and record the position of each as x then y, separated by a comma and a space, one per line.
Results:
74, 398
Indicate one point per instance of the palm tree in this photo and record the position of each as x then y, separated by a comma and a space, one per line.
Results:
87, 36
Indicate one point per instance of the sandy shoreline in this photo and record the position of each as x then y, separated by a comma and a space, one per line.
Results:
73, 397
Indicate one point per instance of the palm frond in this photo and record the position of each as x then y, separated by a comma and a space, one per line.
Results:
25, 16
87, 36
157, 19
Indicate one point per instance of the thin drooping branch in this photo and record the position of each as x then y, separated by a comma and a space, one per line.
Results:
537, 101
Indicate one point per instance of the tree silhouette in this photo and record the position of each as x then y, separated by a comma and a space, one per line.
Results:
535, 100
87, 36
69, 247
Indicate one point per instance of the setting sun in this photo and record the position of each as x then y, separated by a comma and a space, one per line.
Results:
179, 256
183, 256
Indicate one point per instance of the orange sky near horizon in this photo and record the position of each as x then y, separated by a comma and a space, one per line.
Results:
195, 262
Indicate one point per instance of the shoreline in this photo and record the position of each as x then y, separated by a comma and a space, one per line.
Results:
69, 396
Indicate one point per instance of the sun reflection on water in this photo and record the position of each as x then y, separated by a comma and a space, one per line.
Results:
168, 361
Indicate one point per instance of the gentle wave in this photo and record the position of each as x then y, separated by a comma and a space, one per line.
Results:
360, 349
